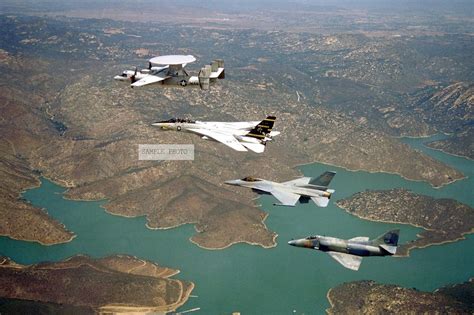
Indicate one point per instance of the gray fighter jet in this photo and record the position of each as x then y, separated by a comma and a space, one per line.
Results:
288, 193
349, 253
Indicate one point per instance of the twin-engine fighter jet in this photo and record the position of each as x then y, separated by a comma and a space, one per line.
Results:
349, 253
240, 136
288, 193
169, 70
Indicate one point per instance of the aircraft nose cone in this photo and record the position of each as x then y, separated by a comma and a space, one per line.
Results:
292, 243
232, 182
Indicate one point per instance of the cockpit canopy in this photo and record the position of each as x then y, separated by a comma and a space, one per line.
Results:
312, 237
178, 120
251, 179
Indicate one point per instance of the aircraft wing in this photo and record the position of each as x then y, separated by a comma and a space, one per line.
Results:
347, 260
247, 125
360, 239
227, 139
285, 198
298, 181
150, 79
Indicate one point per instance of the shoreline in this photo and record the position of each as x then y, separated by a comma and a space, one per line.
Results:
38, 241
147, 223
448, 153
331, 302
196, 229
398, 174
45, 211
183, 298
241, 241
390, 173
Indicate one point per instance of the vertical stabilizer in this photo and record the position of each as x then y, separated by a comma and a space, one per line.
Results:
263, 128
203, 77
323, 180
388, 241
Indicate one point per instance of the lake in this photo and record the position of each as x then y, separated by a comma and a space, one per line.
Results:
253, 280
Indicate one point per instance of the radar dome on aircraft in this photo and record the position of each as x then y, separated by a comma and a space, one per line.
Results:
172, 59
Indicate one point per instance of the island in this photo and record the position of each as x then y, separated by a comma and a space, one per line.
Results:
443, 220
111, 284
375, 298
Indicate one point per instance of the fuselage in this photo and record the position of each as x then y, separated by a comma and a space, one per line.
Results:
238, 129
306, 190
332, 244
172, 76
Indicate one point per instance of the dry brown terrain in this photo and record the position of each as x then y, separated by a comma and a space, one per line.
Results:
369, 297
113, 284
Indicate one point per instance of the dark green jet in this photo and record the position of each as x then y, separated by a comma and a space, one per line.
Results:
349, 253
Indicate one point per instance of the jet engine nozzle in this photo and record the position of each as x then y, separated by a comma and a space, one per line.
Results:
327, 195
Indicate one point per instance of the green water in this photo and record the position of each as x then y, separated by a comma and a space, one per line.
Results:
254, 280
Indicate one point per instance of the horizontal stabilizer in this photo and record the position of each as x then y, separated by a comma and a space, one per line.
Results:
321, 201
255, 147
349, 261
218, 74
391, 249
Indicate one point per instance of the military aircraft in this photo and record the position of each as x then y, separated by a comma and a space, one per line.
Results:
288, 193
169, 70
240, 136
349, 253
